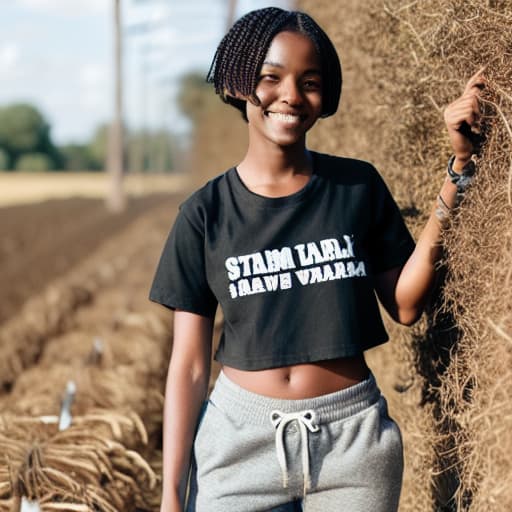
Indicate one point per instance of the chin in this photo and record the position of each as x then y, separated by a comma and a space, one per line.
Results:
288, 143
287, 140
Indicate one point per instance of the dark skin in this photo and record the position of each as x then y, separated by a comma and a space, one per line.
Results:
277, 163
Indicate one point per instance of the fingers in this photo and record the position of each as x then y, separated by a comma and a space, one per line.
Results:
466, 108
466, 105
463, 116
475, 84
477, 81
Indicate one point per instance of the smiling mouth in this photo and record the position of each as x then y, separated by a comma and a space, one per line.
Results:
287, 118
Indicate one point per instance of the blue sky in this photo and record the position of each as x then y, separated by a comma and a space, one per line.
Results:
57, 54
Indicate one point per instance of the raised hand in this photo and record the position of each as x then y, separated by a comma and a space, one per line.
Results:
462, 118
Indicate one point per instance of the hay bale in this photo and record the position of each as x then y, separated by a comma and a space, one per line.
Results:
94, 463
408, 60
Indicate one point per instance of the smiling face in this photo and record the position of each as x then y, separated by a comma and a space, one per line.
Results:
289, 90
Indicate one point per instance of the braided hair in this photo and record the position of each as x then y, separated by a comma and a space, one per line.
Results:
240, 55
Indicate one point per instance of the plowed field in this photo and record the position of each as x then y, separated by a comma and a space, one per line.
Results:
41, 241
74, 304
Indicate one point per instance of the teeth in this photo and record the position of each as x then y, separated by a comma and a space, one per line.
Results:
288, 118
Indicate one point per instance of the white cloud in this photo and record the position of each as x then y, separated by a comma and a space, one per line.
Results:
9, 56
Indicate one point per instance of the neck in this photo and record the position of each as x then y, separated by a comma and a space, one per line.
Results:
276, 171
273, 163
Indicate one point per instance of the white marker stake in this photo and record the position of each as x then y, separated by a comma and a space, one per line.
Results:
65, 417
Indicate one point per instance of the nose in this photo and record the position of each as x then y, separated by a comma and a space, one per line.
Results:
291, 92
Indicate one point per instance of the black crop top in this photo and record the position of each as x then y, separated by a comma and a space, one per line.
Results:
294, 274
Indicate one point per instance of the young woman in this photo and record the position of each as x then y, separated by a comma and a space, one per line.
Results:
293, 245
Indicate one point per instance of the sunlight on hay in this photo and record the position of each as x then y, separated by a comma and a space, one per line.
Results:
403, 62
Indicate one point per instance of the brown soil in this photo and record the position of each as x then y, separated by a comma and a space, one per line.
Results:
40, 241
51, 340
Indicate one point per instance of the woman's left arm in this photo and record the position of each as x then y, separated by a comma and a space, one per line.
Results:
404, 291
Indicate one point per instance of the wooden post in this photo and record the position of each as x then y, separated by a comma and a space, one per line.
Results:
232, 4
115, 196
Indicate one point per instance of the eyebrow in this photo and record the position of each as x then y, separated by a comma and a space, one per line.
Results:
273, 64
279, 65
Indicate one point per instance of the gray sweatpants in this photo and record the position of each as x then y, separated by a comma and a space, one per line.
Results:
336, 452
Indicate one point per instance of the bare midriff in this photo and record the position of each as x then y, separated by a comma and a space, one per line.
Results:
302, 380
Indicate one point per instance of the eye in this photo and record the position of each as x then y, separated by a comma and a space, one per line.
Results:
269, 77
312, 84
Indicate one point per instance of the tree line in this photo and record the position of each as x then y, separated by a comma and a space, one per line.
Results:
26, 145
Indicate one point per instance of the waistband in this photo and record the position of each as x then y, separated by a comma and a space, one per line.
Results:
254, 408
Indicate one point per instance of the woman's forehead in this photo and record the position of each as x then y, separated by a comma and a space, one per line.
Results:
292, 48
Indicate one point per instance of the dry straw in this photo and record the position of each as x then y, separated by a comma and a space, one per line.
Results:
403, 62
94, 327
87, 464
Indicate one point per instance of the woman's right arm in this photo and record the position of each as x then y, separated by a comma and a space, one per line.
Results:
186, 389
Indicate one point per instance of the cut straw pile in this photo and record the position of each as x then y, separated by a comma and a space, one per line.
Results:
95, 328
403, 62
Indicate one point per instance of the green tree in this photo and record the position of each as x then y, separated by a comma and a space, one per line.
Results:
78, 157
23, 129
4, 160
161, 146
98, 146
150, 151
35, 162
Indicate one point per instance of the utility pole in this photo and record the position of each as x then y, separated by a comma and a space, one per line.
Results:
232, 5
115, 196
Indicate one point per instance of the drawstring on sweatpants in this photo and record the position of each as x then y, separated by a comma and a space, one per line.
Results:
306, 421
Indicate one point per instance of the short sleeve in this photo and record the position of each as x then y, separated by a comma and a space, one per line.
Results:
391, 243
180, 280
